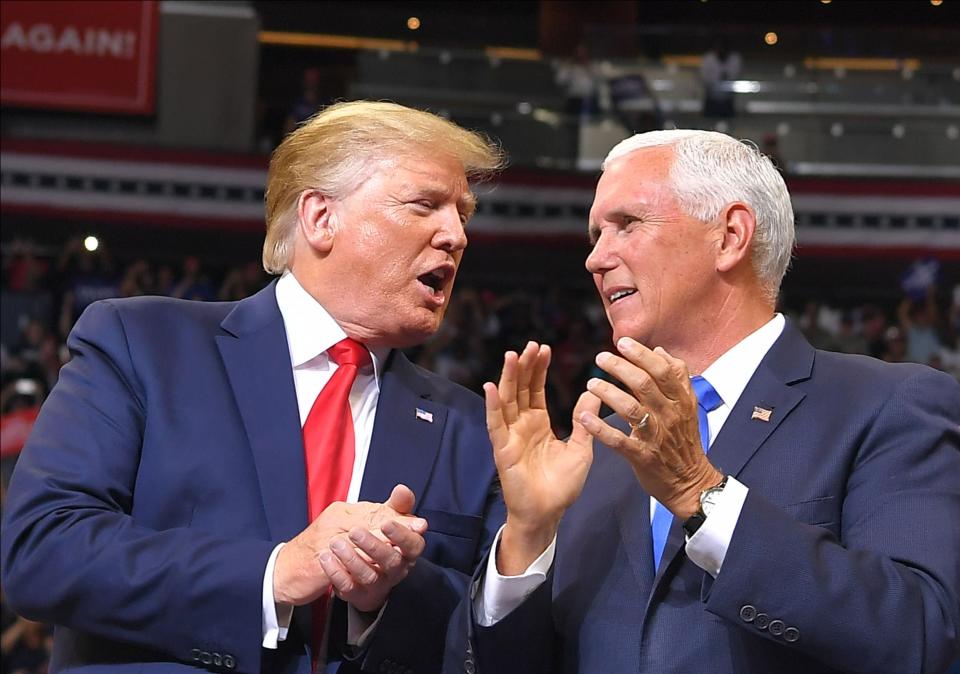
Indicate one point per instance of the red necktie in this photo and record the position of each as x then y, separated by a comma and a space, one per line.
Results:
328, 441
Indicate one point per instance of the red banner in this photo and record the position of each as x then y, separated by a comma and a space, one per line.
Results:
93, 55
14, 429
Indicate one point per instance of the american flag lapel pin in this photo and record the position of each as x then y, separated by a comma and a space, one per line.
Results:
761, 413
424, 415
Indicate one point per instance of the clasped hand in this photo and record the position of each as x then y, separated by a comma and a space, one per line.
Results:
361, 549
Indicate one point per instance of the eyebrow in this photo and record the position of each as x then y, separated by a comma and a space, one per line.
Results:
636, 211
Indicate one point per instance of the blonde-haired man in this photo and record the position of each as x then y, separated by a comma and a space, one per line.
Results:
195, 489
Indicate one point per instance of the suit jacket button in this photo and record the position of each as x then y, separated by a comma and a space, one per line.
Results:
776, 627
218, 659
761, 621
229, 661
469, 668
195, 655
748, 613
791, 634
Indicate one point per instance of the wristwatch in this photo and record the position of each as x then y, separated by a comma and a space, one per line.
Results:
708, 499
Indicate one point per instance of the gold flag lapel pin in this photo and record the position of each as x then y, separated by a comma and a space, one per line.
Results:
761, 413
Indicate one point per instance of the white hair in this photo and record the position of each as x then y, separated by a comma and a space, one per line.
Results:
710, 170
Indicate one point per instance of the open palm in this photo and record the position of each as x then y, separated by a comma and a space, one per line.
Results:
541, 475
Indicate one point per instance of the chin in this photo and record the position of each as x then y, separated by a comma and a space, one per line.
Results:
414, 335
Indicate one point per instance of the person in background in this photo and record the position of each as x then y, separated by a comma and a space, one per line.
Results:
718, 67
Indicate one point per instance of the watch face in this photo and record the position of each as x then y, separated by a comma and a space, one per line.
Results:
709, 499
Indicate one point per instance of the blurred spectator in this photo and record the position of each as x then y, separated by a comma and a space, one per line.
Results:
580, 79
307, 103
194, 284
873, 324
26, 647
242, 282
86, 276
848, 339
771, 149
35, 356
895, 345
165, 281
23, 270
635, 104
920, 322
137, 280
811, 324
718, 67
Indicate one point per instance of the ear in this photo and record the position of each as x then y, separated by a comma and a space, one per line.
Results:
738, 223
314, 220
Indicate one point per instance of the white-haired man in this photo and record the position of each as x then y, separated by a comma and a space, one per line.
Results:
204, 475
784, 510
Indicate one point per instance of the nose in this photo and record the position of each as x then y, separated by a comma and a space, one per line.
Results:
450, 235
601, 258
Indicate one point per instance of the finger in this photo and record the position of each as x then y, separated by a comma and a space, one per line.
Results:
410, 544
496, 426
669, 378
636, 380
525, 367
538, 382
401, 499
340, 578
383, 554
678, 370
588, 405
617, 399
609, 435
415, 524
360, 571
508, 387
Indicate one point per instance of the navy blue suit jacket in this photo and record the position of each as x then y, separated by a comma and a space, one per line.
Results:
846, 556
166, 465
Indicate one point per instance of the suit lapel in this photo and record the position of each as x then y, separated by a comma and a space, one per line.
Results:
789, 360
257, 360
405, 442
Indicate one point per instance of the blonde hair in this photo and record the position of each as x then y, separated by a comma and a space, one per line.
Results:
711, 170
332, 152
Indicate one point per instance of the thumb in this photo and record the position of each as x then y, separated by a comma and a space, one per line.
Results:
401, 499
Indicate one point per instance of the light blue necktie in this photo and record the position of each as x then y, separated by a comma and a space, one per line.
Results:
707, 400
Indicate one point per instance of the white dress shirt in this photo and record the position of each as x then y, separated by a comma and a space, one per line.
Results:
310, 332
497, 595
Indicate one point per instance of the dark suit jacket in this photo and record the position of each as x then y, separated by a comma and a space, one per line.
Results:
846, 556
167, 464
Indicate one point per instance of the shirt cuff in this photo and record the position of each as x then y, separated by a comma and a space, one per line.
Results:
708, 547
498, 595
360, 627
276, 617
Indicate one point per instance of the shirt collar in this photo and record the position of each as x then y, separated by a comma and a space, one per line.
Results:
731, 372
310, 329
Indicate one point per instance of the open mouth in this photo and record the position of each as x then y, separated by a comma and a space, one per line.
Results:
618, 295
436, 279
